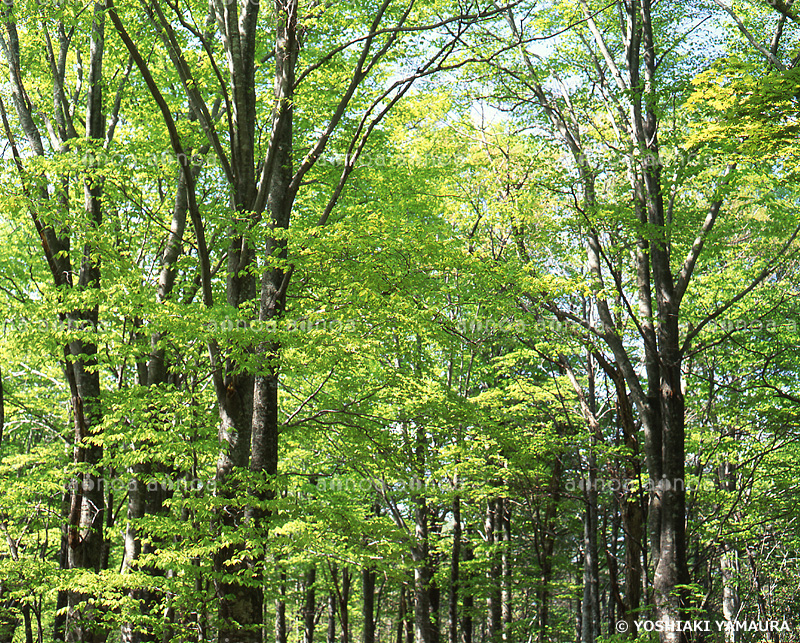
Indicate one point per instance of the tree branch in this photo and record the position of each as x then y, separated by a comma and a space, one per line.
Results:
685, 274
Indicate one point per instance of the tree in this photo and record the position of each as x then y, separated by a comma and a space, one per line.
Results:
637, 294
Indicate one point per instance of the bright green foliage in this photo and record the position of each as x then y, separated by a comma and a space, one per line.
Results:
430, 331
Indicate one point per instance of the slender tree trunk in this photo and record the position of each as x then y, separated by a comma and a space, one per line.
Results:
494, 612
506, 597
141, 498
731, 603
409, 624
633, 525
39, 627
402, 615
368, 611
545, 553
631, 508
309, 605
422, 580
467, 597
577, 612
133, 549
590, 606
280, 612
434, 601
434, 593
611, 592
331, 637
671, 571
86, 520
543, 593
763, 612
729, 564
454, 569
83, 544
344, 600
60, 619
420, 549
379, 605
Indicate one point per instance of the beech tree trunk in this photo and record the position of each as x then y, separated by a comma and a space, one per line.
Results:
309, 605
344, 598
82, 545
434, 593
545, 553
506, 604
494, 622
467, 597
401, 615
729, 564
658, 397
8, 620
631, 508
590, 606
87, 511
280, 612
142, 499
454, 573
731, 603
368, 611
671, 570
331, 635
422, 575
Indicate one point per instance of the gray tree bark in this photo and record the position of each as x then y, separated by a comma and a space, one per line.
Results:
455, 557
83, 544
309, 605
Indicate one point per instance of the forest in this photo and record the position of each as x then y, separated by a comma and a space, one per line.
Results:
400, 321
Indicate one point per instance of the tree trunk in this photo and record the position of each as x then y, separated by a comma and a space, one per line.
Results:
9, 620
402, 614
344, 599
26, 616
83, 545
60, 619
454, 579
494, 612
142, 499
590, 606
409, 624
331, 637
434, 593
729, 570
86, 538
577, 612
632, 514
545, 553
309, 605
467, 597
729, 564
611, 592
763, 613
506, 605
422, 580
671, 570
368, 611
280, 612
